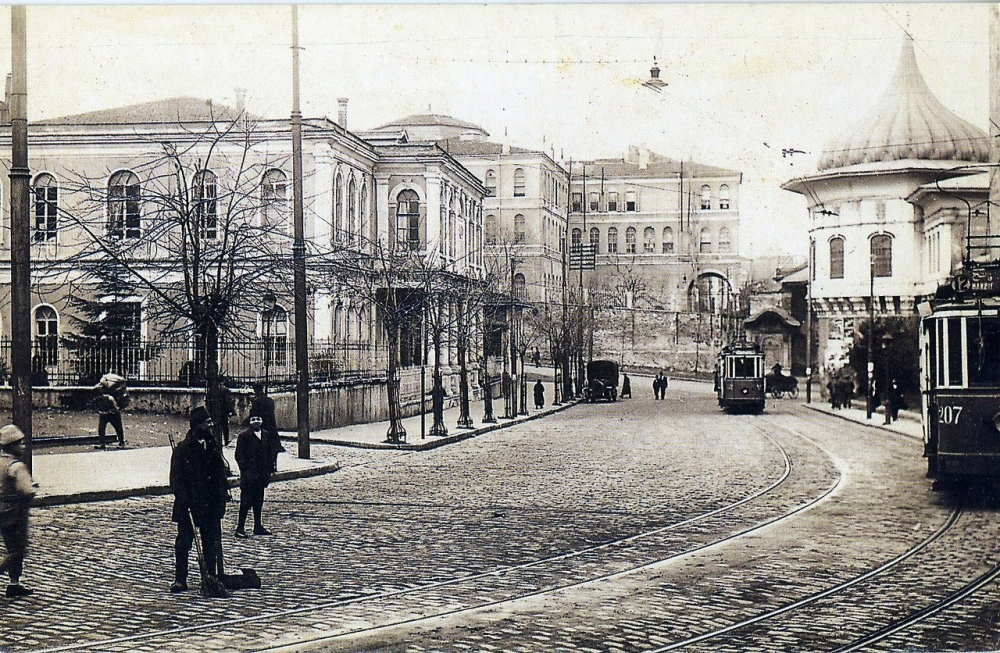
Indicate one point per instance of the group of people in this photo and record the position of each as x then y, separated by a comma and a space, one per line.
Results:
841, 391
199, 480
660, 384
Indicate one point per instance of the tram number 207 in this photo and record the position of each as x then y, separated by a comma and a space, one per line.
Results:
949, 414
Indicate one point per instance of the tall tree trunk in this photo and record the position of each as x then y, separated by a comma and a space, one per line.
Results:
464, 419
396, 431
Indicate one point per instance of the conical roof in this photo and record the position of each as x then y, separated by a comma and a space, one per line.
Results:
908, 122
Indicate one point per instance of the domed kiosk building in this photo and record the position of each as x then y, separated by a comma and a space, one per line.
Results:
889, 208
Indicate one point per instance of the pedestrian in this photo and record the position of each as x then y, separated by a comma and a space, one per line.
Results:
664, 384
109, 412
536, 358
833, 391
263, 406
539, 394
254, 461
626, 387
220, 407
656, 387
198, 480
16, 491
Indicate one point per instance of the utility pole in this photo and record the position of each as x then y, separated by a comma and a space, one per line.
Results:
20, 236
580, 380
299, 256
809, 325
870, 399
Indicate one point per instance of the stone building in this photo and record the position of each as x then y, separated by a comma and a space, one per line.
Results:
889, 208
665, 233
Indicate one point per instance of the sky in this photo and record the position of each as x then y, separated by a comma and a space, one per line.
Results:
744, 81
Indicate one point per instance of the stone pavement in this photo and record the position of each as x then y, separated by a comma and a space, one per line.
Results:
100, 475
909, 422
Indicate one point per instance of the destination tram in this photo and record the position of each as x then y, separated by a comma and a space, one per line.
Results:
739, 377
960, 378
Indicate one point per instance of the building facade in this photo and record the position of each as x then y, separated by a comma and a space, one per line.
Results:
889, 209
665, 231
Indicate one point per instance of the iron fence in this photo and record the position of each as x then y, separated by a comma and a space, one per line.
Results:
180, 363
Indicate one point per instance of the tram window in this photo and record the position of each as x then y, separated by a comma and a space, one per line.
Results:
955, 351
742, 367
933, 374
983, 337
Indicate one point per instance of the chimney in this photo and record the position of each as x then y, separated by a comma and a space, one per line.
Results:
505, 146
342, 112
241, 100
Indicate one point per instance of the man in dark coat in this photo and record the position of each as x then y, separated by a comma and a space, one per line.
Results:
220, 406
255, 474
198, 480
263, 406
539, 394
16, 491
626, 386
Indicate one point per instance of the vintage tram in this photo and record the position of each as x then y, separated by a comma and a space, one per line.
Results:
960, 378
739, 377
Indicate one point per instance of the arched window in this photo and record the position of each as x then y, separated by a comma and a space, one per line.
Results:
408, 220
519, 230
519, 182
46, 335
275, 336
630, 240
725, 241
205, 202
576, 239
595, 239
648, 240
363, 213
612, 240
519, 286
706, 197
668, 240
274, 189
881, 255
46, 208
837, 258
491, 229
705, 241
124, 197
491, 183
724, 196
338, 208
352, 211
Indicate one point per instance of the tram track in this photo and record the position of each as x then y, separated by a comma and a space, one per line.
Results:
548, 574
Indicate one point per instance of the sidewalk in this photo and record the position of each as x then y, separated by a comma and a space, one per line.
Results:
908, 424
96, 475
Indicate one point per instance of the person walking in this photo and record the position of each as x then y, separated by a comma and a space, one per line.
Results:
109, 412
263, 406
536, 358
656, 387
626, 386
254, 461
16, 491
539, 394
220, 407
198, 480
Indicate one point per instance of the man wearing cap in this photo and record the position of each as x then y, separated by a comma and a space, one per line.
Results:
198, 480
16, 491
254, 459
263, 406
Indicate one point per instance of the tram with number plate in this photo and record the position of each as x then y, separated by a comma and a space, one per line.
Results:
739, 377
960, 378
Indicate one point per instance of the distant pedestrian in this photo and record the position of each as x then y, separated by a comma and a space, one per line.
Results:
198, 480
536, 358
833, 391
254, 460
109, 412
220, 406
16, 491
656, 387
263, 406
660, 385
626, 386
539, 394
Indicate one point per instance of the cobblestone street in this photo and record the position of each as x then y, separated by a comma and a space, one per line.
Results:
627, 526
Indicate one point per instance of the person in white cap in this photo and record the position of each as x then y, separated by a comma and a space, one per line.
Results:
16, 491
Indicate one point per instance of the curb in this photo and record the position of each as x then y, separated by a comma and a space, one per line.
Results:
881, 427
448, 439
158, 490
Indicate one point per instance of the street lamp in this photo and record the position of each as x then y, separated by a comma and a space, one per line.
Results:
270, 301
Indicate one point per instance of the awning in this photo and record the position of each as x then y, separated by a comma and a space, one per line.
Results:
780, 313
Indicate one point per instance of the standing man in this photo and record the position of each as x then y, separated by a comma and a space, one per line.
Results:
198, 479
539, 394
255, 474
263, 406
626, 386
220, 407
108, 412
16, 491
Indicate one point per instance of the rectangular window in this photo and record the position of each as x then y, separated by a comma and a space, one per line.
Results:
837, 258
613, 201
955, 351
577, 202
46, 212
983, 337
595, 202
630, 201
668, 248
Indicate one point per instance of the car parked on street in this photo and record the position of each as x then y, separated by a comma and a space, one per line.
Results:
602, 381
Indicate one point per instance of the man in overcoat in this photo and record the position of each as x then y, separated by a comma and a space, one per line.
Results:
198, 479
255, 474
263, 406
16, 491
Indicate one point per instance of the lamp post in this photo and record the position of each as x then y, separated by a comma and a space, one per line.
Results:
871, 340
270, 301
